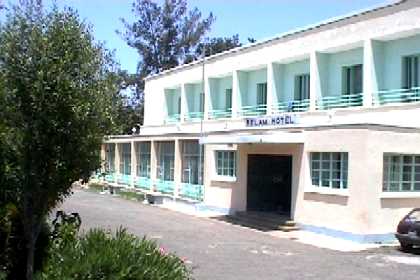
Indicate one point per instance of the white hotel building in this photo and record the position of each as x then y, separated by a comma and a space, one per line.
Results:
322, 123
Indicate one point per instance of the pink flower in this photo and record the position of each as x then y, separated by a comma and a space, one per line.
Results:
162, 251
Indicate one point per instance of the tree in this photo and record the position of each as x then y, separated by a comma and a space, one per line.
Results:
216, 45
164, 35
56, 96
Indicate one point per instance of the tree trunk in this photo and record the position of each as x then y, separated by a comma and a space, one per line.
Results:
30, 258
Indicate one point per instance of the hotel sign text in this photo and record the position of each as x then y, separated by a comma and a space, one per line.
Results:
279, 120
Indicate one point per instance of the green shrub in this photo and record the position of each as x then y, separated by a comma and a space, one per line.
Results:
131, 195
96, 187
101, 255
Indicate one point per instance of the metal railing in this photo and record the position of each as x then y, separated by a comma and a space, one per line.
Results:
194, 116
291, 106
166, 187
397, 96
173, 118
253, 110
124, 179
142, 183
110, 177
340, 101
220, 114
191, 191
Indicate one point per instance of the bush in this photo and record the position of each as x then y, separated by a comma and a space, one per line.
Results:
131, 195
101, 255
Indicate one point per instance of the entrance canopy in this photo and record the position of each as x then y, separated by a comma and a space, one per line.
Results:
273, 138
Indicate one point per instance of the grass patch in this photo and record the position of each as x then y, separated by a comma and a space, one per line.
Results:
96, 187
131, 195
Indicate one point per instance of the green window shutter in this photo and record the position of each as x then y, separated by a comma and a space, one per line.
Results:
297, 88
228, 100
261, 93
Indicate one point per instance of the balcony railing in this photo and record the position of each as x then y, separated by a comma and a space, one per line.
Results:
397, 96
220, 114
291, 106
173, 118
191, 191
257, 110
124, 179
110, 177
143, 183
166, 187
341, 101
194, 116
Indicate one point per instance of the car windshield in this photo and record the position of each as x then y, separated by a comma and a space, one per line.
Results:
415, 215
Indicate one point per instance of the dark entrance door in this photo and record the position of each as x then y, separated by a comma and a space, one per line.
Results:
269, 183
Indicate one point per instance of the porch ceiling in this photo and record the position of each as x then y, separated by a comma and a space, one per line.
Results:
274, 138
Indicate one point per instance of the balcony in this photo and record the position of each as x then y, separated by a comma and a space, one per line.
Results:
173, 118
257, 110
397, 96
340, 101
194, 116
165, 187
291, 106
143, 183
220, 114
191, 191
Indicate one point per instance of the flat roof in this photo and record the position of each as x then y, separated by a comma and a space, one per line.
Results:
298, 31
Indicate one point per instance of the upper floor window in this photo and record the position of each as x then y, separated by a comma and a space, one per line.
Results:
401, 173
201, 102
302, 84
228, 100
262, 94
410, 72
353, 79
329, 170
226, 163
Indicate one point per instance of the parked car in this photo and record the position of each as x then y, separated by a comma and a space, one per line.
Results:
408, 230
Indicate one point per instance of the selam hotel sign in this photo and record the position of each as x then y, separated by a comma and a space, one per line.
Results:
278, 120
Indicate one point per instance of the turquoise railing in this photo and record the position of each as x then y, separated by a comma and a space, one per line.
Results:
124, 179
340, 101
110, 177
220, 114
397, 96
173, 118
166, 187
291, 106
194, 116
256, 110
143, 183
195, 192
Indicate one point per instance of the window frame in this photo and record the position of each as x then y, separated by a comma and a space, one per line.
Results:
302, 87
409, 79
143, 154
327, 159
262, 93
229, 165
387, 174
349, 85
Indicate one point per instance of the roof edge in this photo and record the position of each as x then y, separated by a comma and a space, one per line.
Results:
279, 36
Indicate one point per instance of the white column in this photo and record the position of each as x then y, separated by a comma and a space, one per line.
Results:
133, 162
271, 88
117, 158
184, 105
153, 162
315, 80
235, 93
370, 79
177, 166
207, 100
103, 157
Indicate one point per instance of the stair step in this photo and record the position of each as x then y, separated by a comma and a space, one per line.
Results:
267, 217
288, 228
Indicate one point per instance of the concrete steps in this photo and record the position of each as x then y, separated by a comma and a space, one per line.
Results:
264, 221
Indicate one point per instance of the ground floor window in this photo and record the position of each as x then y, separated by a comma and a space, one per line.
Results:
401, 173
125, 159
192, 162
166, 159
226, 163
143, 159
329, 170
110, 157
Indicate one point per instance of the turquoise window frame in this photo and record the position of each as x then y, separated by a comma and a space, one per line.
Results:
143, 159
125, 158
401, 172
329, 169
226, 163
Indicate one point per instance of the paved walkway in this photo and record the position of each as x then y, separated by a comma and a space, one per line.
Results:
217, 250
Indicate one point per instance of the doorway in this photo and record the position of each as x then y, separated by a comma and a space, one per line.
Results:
269, 187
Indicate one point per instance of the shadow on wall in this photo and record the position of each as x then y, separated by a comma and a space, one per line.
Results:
398, 203
326, 198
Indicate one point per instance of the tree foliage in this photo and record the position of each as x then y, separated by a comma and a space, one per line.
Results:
56, 95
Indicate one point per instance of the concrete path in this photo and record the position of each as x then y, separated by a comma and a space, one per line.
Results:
216, 250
